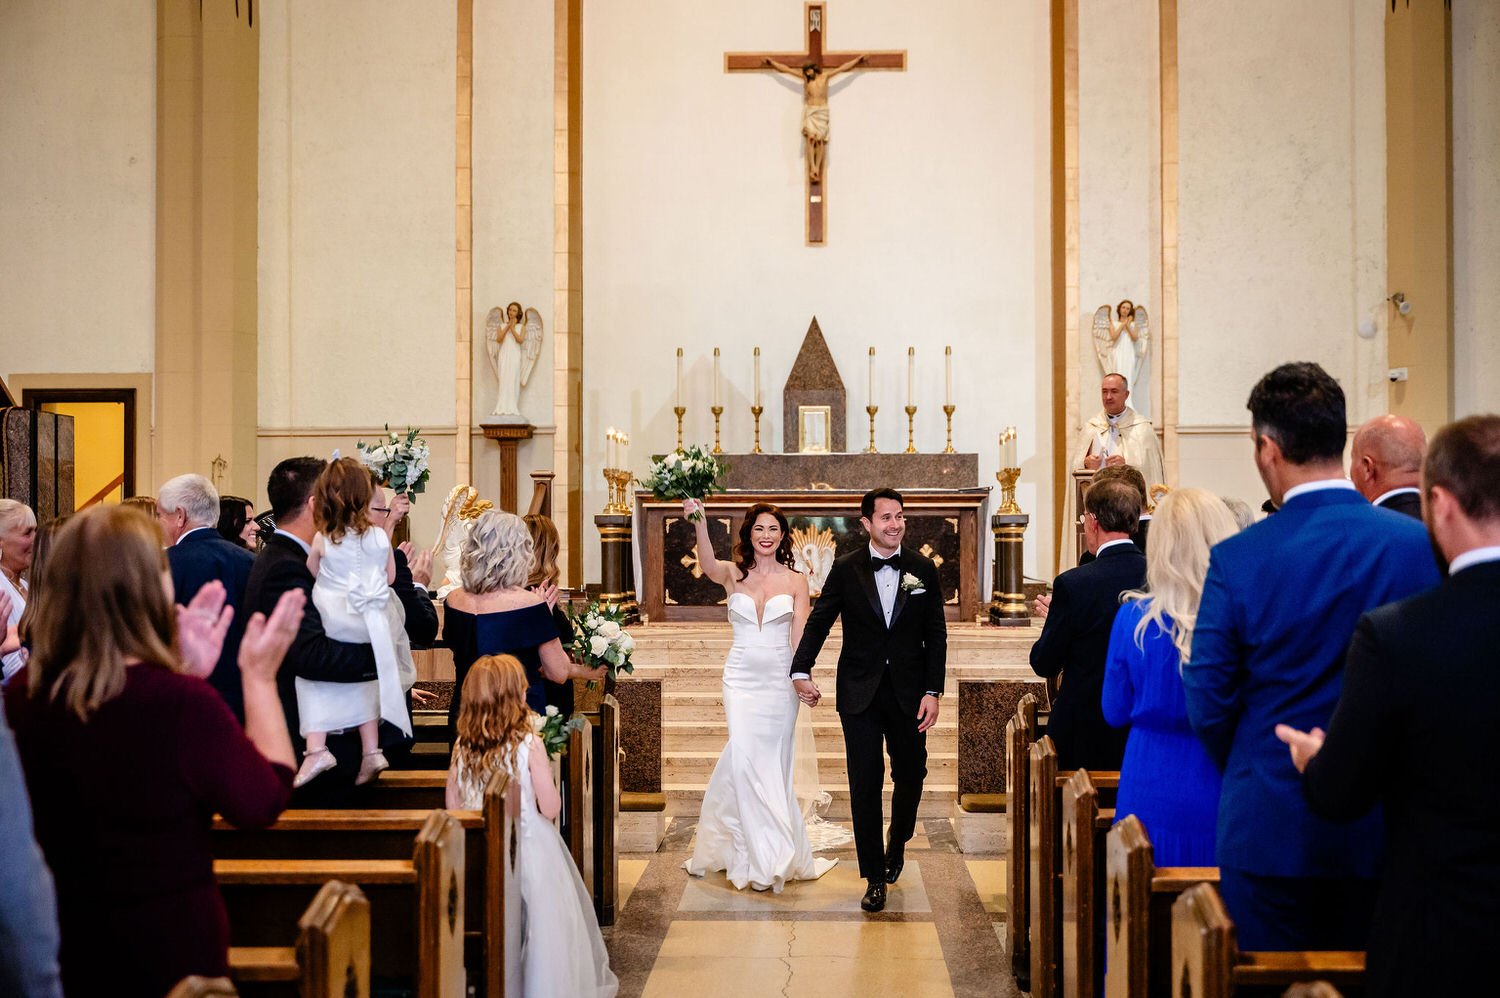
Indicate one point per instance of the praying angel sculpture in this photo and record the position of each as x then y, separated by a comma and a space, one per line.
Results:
513, 337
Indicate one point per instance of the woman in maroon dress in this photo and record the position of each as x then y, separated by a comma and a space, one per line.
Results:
128, 754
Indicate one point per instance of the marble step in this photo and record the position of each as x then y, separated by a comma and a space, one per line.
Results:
710, 736
707, 705
695, 767
938, 800
709, 676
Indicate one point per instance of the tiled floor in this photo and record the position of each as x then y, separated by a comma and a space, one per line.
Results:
678, 935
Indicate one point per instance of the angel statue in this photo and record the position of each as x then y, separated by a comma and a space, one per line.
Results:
1124, 348
514, 341
460, 510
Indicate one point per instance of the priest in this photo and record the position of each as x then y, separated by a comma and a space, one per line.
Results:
1116, 435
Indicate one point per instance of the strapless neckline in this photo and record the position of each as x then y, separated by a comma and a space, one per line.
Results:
760, 612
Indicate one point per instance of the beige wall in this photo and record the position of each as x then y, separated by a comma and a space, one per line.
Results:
1476, 208
78, 176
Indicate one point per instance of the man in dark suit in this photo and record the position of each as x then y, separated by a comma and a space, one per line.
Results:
1279, 606
1385, 463
187, 508
1438, 908
890, 676
282, 565
1132, 477
1075, 636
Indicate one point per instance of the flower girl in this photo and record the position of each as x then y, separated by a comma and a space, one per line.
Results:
562, 952
354, 567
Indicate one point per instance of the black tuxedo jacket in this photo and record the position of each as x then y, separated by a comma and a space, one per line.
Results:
1414, 730
1074, 641
201, 557
282, 565
913, 650
1409, 503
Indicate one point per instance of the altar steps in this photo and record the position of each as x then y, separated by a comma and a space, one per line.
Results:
938, 799
828, 734
695, 767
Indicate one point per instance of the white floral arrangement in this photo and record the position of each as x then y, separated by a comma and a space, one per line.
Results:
911, 585
553, 729
400, 463
690, 473
600, 638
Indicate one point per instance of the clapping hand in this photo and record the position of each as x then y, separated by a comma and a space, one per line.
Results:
201, 627
1304, 744
267, 638
1040, 606
420, 563
421, 697
548, 592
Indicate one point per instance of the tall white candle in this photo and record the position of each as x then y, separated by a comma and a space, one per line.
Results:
870, 381
624, 450
679, 377
947, 375
609, 447
757, 377
911, 375
716, 376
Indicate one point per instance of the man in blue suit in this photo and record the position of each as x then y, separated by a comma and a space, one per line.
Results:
187, 507
1278, 611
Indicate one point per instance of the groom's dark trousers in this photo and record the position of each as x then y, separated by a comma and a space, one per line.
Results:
883, 673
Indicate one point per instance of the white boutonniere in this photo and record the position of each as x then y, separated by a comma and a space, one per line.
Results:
911, 585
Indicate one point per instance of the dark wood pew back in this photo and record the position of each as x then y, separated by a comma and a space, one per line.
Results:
1207, 962
577, 818
1020, 732
1084, 826
1044, 927
606, 808
416, 905
1138, 904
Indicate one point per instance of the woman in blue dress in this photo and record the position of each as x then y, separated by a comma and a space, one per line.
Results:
1167, 779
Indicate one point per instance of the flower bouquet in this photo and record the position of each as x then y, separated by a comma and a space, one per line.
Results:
553, 729
599, 638
692, 473
397, 462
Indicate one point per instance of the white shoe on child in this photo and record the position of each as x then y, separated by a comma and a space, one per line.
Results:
371, 766
314, 764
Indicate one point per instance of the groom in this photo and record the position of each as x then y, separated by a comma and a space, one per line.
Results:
890, 676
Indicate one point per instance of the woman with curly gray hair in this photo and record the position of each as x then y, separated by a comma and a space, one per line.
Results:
495, 614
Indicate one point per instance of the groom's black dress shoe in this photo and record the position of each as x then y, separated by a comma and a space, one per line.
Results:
874, 899
895, 862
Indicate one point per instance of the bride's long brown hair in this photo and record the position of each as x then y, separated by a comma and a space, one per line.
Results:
493, 718
744, 547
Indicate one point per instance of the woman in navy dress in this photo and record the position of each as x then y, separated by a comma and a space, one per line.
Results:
1167, 779
495, 614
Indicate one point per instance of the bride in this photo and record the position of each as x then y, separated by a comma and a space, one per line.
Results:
751, 825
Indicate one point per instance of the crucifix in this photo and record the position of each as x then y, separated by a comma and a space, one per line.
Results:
815, 68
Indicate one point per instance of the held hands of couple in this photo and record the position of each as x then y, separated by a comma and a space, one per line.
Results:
807, 691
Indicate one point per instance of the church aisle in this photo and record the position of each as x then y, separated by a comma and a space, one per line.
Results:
939, 934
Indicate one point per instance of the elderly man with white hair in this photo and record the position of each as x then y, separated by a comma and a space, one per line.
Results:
187, 508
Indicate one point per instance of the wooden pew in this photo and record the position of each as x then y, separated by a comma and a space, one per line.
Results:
1208, 963
1084, 826
405, 790
416, 905
1138, 905
330, 960
204, 987
1045, 850
606, 809
576, 822
1020, 732
491, 889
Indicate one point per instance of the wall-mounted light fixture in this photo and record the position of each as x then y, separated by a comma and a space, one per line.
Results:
1399, 300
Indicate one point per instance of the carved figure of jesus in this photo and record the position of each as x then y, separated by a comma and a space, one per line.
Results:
815, 107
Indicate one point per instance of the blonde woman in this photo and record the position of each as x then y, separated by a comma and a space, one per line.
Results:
1167, 779
495, 614
17, 536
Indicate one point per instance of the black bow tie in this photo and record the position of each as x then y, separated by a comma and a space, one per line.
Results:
894, 561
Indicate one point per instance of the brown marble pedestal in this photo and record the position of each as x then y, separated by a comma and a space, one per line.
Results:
1008, 606
617, 563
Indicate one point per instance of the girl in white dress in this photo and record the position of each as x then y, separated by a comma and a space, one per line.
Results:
751, 825
562, 951
354, 567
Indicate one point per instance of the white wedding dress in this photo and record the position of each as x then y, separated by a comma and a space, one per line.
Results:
751, 825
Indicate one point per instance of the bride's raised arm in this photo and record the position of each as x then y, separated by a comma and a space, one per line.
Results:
721, 572
801, 607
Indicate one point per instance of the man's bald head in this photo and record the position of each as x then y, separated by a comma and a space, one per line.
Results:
1387, 454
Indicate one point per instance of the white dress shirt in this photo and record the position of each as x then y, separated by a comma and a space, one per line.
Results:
1395, 492
1472, 557
887, 581
1318, 486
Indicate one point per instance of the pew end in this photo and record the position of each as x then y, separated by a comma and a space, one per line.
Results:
1020, 732
502, 901
1043, 925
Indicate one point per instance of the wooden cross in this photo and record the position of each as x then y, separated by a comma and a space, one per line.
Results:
815, 21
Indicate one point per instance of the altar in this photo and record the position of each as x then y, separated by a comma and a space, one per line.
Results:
820, 495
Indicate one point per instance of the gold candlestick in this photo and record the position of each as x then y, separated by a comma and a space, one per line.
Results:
619, 485
1007, 478
872, 410
911, 414
756, 410
680, 411
718, 411
948, 411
